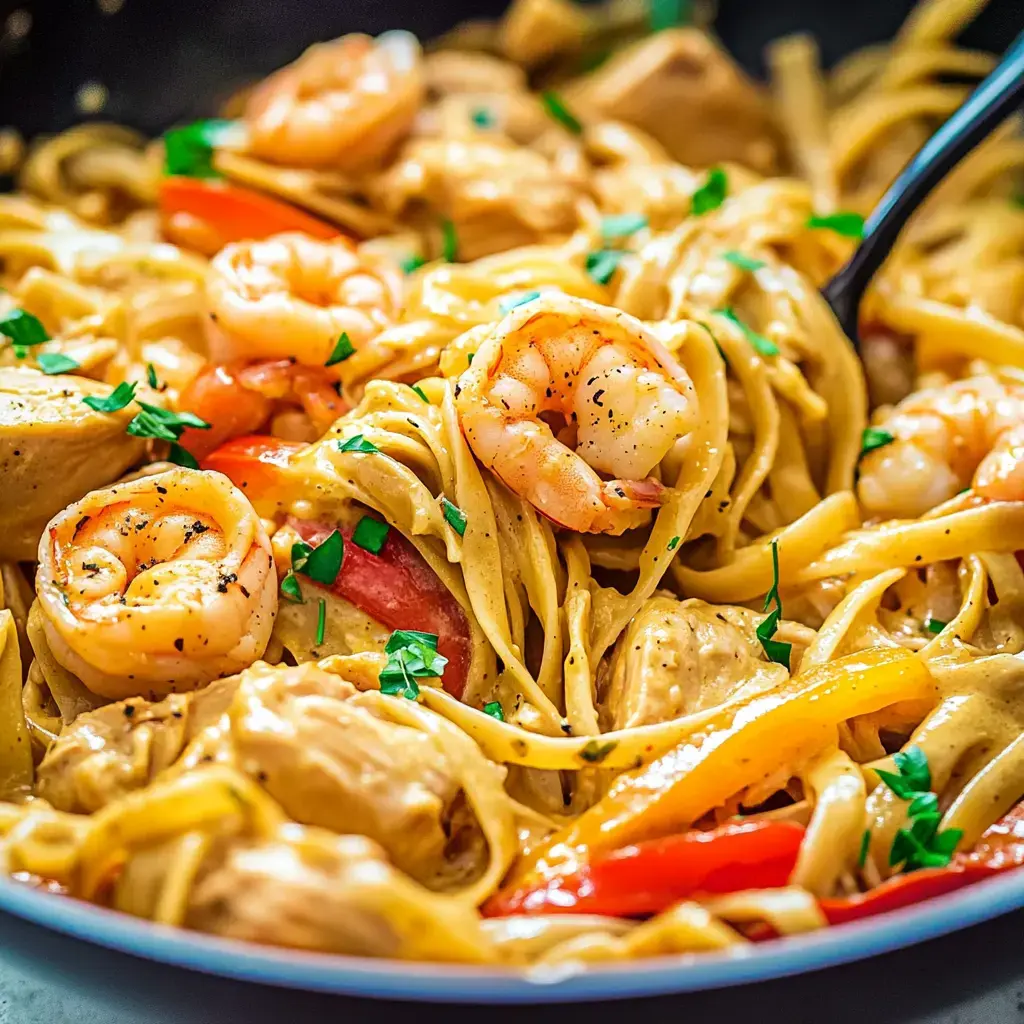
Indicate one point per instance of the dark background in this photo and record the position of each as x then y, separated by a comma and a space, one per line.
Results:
164, 61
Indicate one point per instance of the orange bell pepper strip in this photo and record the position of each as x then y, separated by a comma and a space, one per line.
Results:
205, 215
740, 746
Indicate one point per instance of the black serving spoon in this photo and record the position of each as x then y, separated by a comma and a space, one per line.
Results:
983, 111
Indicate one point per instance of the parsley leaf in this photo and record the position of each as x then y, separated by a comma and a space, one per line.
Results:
411, 263
321, 621
116, 400
454, 515
510, 302
777, 650
189, 151
322, 563
595, 751
762, 345
54, 362
665, 14
738, 259
151, 377
182, 456
23, 329
357, 443
370, 534
559, 112
711, 194
874, 437
619, 225
602, 264
411, 655
850, 225
865, 843
291, 589
493, 708
449, 242
673, 543
934, 625
343, 348
419, 391
482, 118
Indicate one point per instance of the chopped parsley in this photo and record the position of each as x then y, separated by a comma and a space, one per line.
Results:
182, 456
663, 14
454, 515
115, 401
411, 262
874, 437
482, 118
24, 330
711, 194
411, 655
54, 362
165, 425
151, 378
449, 242
357, 443
419, 391
370, 534
510, 302
322, 563
291, 589
922, 845
343, 348
776, 650
737, 259
865, 843
762, 345
595, 752
602, 264
934, 625
321, 621
189, 151
673, 543
493, 708
559, 112
619, 225
849, 225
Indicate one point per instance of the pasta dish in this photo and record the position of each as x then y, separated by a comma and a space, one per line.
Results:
443, 520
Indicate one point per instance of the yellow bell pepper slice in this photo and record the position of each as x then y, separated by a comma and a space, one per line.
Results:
744, 746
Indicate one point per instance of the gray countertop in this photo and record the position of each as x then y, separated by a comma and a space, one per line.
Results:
973, 977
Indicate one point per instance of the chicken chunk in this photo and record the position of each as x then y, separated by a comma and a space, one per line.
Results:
679, 657
684, 90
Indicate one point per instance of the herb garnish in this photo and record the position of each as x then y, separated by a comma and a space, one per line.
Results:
23, 329
419, 391
322, 563
115, 401
411, 655
54, 362
934, 625
668, 13
619, 225
189, 151
595, 752
874, 437
560, 112
850, 225
454, 515
343, 348
370, 534
673, 543
482, 118
411, 263
922, 845
321, 621
762, 345
291, 589
602, 264
738, 259
358, 443
493, 708
865, 842
711, 194
510, 302
776, 650
449, 242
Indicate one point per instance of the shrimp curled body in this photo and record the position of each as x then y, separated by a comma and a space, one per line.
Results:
343, 104
159, 585
618, 402
292, 296
946, 438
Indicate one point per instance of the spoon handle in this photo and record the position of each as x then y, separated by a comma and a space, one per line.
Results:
982, 112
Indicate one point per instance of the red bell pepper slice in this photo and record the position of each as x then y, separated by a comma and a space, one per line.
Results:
649, 877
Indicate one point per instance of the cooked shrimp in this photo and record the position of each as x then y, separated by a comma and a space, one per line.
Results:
342, 104
156, 586
943, 437
618, 398
291, 296
237, 400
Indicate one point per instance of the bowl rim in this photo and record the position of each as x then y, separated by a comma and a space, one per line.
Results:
439, 982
